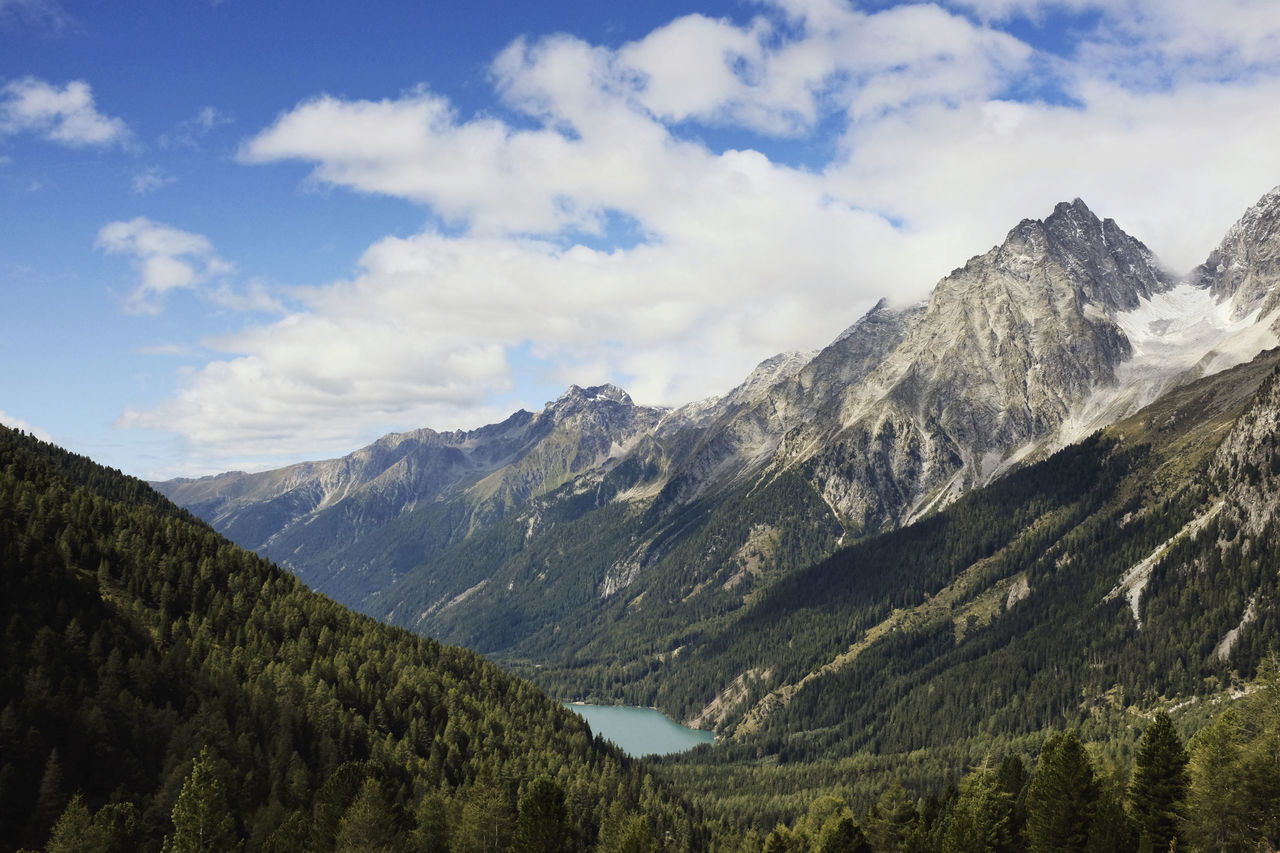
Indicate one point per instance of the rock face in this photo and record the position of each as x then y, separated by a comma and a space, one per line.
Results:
1065, 327
1245, 268
933, 397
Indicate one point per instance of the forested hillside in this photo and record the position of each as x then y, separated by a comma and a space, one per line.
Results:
158, 682
905, 694
1134, 571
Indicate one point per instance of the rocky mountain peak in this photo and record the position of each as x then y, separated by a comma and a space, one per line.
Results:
576, 395
1246, 265
1100, 262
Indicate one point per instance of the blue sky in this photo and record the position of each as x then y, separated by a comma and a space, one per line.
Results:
239, 234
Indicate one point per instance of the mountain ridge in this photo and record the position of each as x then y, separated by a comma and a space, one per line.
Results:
1065, 327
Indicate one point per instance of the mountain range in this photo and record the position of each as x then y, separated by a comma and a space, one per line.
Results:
618, 551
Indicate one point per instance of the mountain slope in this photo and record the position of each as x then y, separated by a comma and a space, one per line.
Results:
1064, 328
677, 521
1134, 570
327, 520
135, 636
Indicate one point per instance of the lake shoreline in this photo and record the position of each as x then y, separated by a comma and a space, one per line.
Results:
638, 731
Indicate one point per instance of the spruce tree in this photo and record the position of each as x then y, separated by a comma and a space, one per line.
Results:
202, 823
891, 819
370, 824
542, 824
1062, 797
841, 834
75, 831
981, 818
1159, 790
50, 796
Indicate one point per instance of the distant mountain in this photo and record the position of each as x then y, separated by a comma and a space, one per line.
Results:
598, 531
310, 516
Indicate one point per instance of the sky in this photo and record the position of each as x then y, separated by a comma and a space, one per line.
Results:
236, 234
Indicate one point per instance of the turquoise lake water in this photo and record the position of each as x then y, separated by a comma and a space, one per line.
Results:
640, 731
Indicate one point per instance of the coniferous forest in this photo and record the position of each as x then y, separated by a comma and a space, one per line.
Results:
163, 689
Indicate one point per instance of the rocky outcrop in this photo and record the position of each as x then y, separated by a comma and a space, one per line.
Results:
1245, 267
929, 399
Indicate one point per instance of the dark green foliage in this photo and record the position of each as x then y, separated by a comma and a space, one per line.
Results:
1159, 787
893, 820
202, 820
542, 825
1063, 796
76, 832
841, 834
135, 637
981, 821
1112, 830
371, 823
1233, 796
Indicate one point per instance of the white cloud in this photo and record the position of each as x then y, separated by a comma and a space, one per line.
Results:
19, 424
739, 256
1173, 169
165, 259
256, 298
1153, 43
66, 116
151, 179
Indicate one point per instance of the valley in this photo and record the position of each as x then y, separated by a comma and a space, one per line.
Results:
981, 518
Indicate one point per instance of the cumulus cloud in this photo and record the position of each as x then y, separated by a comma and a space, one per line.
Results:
733, 255
164, 258
64, 115
1156, 43
256, 298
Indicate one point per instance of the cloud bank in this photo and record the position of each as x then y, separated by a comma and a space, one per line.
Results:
592, 233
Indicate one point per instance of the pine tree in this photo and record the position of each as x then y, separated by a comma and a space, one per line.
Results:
632, 836
542, 825
369, 824
75, 831
50, 796
1159, 789
486, 822
432, 832
981, 818
1062, 797
840, 834
202, 823
1260, 756
1112, 831
891, 819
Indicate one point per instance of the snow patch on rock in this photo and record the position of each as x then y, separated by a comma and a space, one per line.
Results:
1176, 336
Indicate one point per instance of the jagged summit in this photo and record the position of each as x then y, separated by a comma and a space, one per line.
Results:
1245, 267
1066, 326
1102, 263
593, 393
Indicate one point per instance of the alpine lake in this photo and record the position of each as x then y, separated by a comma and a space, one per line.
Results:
640, 731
